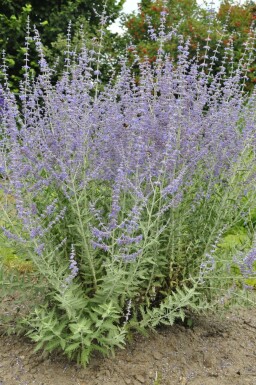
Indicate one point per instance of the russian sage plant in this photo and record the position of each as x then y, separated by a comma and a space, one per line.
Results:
123, 195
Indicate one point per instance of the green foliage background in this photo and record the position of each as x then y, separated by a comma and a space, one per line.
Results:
51, 18
192, 21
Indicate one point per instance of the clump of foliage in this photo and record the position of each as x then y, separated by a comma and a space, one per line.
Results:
122, 195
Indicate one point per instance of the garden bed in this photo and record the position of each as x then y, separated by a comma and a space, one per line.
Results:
215, 350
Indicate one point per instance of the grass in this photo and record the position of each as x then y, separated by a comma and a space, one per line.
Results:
9, 258
157, 380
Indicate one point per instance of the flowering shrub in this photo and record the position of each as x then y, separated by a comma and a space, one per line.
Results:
122, 196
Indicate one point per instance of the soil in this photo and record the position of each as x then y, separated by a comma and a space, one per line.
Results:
214, 351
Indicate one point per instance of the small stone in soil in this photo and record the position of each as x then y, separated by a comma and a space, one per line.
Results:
157, 355
140, 378
151, 374
183, 381
208, 362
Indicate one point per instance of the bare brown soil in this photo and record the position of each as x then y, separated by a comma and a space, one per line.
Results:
215, 351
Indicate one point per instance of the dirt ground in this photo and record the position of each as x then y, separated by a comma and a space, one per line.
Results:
214, 351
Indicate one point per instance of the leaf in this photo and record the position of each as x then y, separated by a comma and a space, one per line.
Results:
62, 343
39, 346
81, 327
27, 8
84, 358
72, 347
51, 345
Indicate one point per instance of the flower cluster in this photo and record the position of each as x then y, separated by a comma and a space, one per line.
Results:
72, 267
247, 263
